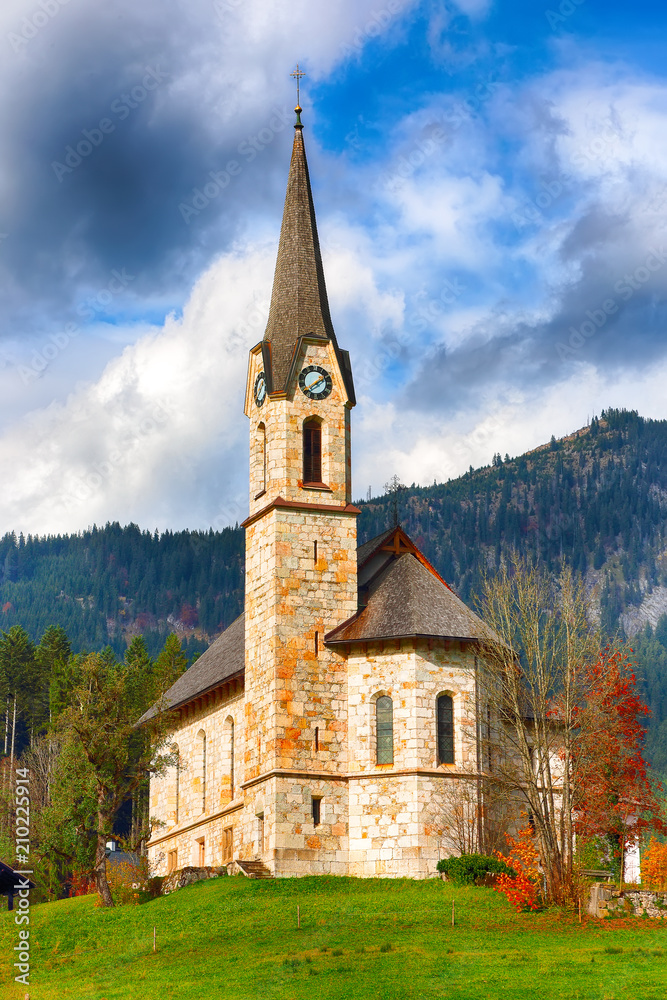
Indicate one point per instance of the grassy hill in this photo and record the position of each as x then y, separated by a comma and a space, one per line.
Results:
374, 939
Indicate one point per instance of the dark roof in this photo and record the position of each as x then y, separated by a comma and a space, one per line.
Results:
409, 599
299, 303
10, 880
223, 659
368, 548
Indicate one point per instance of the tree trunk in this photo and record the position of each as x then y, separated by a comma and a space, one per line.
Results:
101, 860
6, 725
11, 762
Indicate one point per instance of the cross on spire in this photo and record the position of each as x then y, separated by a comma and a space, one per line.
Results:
298, 74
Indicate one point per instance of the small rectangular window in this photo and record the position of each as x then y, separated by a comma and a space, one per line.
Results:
317, 737
227, 844
317, 803
317, 643
172, 860
315, 553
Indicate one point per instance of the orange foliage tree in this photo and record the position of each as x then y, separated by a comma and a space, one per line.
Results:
613, 794
522, 890
654, 865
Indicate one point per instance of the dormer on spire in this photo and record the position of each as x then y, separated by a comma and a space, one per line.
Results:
299, 304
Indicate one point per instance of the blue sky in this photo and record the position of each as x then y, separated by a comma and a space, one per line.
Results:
491, 192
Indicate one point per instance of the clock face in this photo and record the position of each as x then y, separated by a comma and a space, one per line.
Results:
315, 382
260, 388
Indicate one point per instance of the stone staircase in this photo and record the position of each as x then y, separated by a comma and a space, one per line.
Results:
254, 869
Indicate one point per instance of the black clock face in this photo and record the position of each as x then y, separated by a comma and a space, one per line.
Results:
260, 388
315, 382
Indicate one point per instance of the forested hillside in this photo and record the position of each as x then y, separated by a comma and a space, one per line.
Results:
596, 500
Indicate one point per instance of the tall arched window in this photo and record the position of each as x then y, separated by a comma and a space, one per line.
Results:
177, 767
445, 715
231, 758
312, 451
202, 769
384, 725
261, 440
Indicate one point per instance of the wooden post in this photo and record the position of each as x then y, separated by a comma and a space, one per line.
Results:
298, 918
452, 913
580, 911
154, 947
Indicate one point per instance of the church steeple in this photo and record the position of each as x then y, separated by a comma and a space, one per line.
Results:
299, 303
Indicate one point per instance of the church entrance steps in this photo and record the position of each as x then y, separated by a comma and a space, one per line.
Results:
254, 869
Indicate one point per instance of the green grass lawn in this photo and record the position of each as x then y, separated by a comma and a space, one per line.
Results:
376, 939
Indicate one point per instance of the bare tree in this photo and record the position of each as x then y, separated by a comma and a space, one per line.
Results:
532, 679
476, 815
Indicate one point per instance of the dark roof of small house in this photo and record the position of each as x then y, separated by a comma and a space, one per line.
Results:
406, 599
224, 658
10, 880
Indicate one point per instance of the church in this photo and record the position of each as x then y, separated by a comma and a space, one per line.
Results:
324, 730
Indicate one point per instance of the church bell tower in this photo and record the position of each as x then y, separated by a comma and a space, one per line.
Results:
301, 570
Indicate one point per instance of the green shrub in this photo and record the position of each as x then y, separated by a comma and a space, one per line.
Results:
469, 867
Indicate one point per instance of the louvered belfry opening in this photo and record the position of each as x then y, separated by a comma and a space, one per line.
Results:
312, 452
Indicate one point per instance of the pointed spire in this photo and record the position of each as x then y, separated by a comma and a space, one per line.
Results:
299, 304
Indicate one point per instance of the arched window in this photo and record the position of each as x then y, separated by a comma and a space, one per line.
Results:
312, 451
177, 768
384, 725
228, 763
445, 715
231, 758
261, 438
201, 735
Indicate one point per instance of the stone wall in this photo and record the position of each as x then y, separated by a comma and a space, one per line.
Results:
199, 802
606, 900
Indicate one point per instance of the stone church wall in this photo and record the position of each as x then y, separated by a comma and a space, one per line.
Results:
199, 803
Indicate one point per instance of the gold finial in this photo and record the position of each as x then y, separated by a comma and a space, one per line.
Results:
298, 74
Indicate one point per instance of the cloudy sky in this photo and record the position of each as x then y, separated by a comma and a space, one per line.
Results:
490, 179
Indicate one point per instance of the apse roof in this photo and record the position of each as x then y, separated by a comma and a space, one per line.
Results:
408, 599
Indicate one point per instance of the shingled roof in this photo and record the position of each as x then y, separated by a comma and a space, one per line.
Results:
409, 599
223, 659
299, 303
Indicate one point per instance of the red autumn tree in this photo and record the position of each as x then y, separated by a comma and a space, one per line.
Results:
613, 794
